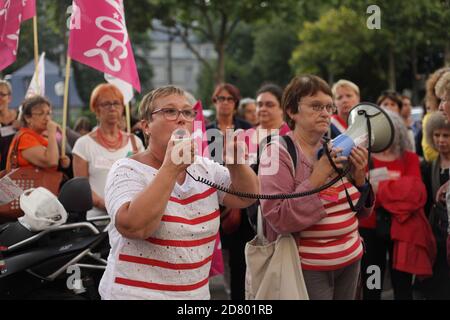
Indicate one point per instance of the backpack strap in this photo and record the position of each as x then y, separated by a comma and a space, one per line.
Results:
291, 150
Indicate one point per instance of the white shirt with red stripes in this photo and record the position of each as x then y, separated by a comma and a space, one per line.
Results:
333, 242
174, 262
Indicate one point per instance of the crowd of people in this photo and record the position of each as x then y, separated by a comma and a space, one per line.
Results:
164, 223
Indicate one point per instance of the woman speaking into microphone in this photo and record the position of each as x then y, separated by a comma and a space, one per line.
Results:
323, 224
164, 223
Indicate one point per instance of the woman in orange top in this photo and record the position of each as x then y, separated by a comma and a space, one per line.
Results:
34, 148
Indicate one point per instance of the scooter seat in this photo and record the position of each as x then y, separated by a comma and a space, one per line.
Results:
13, 232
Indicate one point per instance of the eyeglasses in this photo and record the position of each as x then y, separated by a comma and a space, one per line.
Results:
223, 99
4, 94
331, 108
42, 114
172, 114
108, 104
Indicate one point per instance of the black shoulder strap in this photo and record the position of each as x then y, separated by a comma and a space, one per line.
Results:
291, 149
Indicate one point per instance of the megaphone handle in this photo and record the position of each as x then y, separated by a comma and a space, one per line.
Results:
327, 152
369, 147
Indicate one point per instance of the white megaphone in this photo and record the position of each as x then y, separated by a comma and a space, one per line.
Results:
357, 134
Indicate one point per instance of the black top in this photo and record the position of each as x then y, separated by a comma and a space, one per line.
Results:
5, 142
214, 135
427, 173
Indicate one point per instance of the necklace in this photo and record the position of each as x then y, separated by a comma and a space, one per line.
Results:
110, 145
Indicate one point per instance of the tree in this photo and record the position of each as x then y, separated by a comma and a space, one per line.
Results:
214, 21
273, 47
332, 44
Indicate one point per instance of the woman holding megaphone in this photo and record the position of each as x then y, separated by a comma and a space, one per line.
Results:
164, 223
323, 224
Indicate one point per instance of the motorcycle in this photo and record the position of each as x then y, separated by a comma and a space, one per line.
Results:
61, 262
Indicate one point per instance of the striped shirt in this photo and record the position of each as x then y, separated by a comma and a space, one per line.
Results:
333, 242
174, 262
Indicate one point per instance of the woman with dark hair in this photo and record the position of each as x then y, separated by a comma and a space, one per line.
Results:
235, 230
36, 140
390, 100
270, 114
226, 99
82, 126
323, 224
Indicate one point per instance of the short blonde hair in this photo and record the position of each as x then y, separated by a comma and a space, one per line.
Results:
146, 106
344, 83
431, 101
443, 86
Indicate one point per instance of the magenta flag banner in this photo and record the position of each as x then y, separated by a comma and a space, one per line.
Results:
99, 39
200, 130
29, 9
217, 266
11, 16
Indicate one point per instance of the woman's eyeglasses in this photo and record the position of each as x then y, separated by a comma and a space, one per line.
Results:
223, 99
331, 108
172, 114
110, 104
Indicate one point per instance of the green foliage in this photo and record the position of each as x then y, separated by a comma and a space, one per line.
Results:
273, 45
333, 43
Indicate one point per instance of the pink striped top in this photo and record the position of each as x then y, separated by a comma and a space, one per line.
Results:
334, 241
325, 231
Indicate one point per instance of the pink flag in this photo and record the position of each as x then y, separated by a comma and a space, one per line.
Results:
200, 130
29, 10
200, 138
10, 19
99, 39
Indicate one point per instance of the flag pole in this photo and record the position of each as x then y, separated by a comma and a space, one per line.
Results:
36, 51
65, 105
128, 117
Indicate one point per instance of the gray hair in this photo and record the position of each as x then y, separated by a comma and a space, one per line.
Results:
401, 142
435, 121
243, 104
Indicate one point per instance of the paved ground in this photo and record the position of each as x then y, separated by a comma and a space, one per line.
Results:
219, 291
217, 288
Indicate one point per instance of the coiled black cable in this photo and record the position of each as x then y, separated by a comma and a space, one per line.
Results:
341, 174
269, 196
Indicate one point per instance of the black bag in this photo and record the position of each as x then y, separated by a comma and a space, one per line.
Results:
384, 222
438, 215
252, 211
438, 219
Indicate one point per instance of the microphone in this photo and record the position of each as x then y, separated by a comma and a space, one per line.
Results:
181, 135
